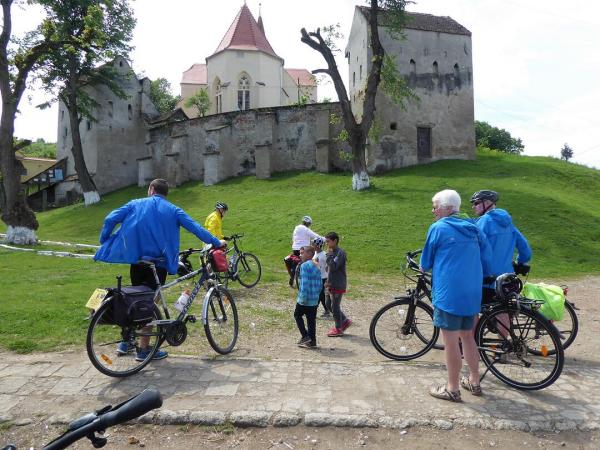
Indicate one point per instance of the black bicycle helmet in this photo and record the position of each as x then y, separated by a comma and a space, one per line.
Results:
479, 196
508, 285
221, 205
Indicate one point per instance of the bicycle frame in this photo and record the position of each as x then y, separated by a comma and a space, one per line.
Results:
205, 277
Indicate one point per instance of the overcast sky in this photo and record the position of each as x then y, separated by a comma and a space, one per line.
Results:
536, 62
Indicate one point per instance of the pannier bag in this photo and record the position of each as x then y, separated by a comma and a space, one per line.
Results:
552, 296
135, 305
291, 262
218, 260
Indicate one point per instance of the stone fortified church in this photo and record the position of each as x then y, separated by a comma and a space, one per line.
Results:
255, 126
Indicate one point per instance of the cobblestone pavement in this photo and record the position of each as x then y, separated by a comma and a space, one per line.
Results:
246, 392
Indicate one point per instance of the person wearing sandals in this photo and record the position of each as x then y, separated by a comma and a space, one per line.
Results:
457, 253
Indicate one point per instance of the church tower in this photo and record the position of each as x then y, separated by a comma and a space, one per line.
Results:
245, 72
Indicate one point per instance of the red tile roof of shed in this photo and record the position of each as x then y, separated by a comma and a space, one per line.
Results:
245, 34
195, 75
306, 78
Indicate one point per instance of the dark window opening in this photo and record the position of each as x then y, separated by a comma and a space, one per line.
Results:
110, 108
413, 66
89, 125
436, 71
423, 142
456, 71
393, 126
353, 79
129, 112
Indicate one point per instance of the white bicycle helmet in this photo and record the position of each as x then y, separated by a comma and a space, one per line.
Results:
307, 220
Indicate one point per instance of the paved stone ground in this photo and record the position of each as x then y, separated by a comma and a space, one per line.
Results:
247, 392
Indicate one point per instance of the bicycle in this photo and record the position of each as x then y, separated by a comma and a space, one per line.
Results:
242, 266
526, 354
98, 421
219, 317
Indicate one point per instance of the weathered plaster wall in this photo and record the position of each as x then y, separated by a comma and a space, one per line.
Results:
218, 147
439, 69
113, 143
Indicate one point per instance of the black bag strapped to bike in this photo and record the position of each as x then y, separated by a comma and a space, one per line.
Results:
133, 305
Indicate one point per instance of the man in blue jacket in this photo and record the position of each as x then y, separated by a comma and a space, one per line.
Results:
457, 254
502, 235
149, 230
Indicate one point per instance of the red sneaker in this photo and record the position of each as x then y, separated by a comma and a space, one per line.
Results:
346, 324
335, 332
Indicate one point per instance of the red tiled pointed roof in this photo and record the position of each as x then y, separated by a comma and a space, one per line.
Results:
245, 34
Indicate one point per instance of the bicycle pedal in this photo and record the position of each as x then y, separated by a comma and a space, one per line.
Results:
191, 318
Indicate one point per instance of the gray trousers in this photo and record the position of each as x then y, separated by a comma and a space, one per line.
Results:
336, 309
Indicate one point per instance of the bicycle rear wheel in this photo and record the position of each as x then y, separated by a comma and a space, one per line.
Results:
247, 269
221, 324
402, 330
103, 338
520, 347
567, 327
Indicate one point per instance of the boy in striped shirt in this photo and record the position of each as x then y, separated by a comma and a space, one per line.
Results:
310, 285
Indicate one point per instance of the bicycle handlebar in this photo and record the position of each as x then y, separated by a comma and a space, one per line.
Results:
147, 400
233, 237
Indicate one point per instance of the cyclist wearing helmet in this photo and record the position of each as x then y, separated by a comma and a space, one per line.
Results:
214, 221
503, 237
301, 237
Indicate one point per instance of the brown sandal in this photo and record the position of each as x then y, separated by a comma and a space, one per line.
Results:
443, 393
474, 389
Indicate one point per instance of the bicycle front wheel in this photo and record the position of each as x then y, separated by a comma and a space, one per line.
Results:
247, 269
402, 330
221, 324
520, 347
113, 349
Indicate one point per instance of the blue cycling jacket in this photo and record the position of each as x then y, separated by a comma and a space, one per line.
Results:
458, 255
503, 238
149, 228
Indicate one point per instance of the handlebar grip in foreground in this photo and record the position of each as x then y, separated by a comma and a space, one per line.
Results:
130, 409
147, 400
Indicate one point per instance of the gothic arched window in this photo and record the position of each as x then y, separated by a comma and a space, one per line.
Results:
244, 92
218, 96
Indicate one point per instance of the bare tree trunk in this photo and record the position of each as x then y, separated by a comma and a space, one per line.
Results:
357, 132
90, 192
17, 215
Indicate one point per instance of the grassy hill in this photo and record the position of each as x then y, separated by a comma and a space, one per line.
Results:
555, 205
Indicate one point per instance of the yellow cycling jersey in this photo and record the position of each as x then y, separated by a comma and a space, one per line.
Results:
214, 224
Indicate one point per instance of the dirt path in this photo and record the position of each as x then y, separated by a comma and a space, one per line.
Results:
300, 437
276, 336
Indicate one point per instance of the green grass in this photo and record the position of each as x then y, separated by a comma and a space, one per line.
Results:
555, 204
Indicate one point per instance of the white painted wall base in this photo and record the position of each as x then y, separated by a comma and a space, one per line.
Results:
360, 181
20, 235
91, 197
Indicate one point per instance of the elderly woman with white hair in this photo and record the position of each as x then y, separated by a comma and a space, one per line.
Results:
458, 255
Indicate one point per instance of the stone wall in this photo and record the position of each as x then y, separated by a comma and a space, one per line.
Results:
255, 142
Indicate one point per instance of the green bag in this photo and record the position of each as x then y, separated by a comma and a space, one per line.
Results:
552, 295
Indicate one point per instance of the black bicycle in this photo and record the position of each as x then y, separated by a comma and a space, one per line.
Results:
516, 343
242, 266
99, 421
219, 317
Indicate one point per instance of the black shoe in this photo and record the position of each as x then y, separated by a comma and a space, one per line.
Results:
292, 281
308, 344
303, 339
